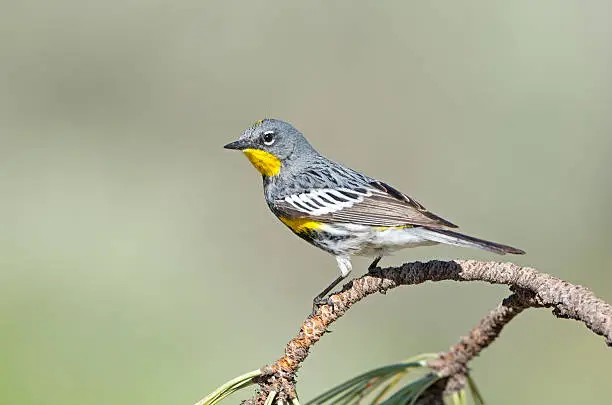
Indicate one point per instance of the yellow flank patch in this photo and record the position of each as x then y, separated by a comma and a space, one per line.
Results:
266, 163
299, 225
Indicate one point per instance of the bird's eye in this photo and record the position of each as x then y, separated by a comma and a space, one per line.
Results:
268, 137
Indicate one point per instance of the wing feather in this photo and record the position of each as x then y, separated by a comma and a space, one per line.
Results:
377, 205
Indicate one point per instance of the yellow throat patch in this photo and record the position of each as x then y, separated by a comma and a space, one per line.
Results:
266, 163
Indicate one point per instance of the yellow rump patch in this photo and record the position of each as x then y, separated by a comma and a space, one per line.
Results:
384, 228
299, 225
266, 163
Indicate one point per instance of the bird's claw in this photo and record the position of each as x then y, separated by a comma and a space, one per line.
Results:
317, 302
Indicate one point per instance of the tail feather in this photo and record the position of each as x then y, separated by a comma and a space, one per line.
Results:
459, 239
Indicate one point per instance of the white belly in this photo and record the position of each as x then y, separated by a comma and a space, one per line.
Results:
388, 241
375, 241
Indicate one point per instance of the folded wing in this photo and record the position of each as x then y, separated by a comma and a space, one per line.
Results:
375, 204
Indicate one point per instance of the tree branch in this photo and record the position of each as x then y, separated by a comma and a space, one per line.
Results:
453, 365
530, 289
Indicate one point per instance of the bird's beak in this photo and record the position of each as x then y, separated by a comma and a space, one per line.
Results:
237, 145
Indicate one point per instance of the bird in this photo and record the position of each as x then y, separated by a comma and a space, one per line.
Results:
340, 210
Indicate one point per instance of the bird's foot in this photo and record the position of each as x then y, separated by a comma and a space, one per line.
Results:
318, 301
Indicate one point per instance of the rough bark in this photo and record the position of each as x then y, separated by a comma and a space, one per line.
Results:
530, 289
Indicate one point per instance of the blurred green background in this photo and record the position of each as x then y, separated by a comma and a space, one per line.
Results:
139, 262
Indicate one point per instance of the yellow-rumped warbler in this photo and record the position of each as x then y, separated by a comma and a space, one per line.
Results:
339, 209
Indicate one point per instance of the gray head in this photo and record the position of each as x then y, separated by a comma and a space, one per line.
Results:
270, 144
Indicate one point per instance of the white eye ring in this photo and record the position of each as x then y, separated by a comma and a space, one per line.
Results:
268, 137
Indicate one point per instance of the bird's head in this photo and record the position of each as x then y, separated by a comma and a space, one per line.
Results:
269, 144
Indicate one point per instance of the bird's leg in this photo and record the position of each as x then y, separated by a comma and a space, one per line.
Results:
373, 265
344, 263
320, 299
